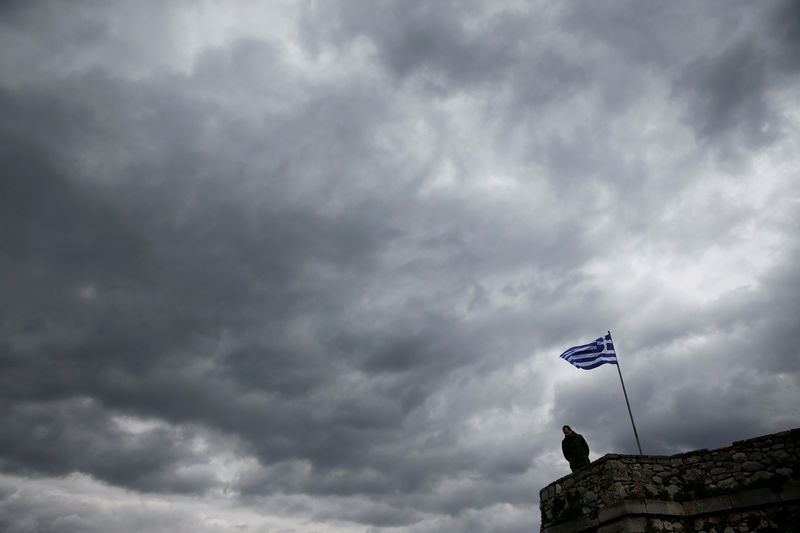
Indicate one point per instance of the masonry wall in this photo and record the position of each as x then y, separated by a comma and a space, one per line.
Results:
752, 485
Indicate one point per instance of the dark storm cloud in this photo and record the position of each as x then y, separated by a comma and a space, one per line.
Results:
78, 435
70, 505
119, 286
350, 262
784, 24
725, 71
653, 34
729, 91
418, 36
729, 94
448, 47
48, 40
132, 281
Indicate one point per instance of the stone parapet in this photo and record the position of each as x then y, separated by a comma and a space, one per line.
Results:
752, 485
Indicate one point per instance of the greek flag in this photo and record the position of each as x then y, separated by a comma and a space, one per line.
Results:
592, 355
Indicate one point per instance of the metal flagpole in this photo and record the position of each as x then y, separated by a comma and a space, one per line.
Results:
635, 434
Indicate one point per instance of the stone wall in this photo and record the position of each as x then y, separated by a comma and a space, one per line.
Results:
753, 485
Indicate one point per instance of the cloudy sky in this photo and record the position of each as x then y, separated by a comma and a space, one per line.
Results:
309, 266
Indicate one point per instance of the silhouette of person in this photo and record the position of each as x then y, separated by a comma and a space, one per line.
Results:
575, 449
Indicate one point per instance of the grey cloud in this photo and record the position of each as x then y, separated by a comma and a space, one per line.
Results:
729, 95
359, 277
730, 389
73, 505
413, 36
78, 435
39, 42
448, 45
129, 348
784, 20
127, 340
653, 34
376, 515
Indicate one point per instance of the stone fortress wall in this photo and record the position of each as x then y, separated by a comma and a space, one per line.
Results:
750, 486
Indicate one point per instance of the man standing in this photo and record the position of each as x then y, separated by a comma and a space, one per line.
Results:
575, 449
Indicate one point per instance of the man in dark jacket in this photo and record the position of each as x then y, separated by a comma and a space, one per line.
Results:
575, 449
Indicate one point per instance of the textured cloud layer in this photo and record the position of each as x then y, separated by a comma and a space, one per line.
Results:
311, 265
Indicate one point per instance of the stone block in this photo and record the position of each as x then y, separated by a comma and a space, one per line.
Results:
656, 507
761, 476
652, 490
707, 505
580, 524
790, 492
752, 466
626, 507
779, 456
754, 498
627, 525
692, 474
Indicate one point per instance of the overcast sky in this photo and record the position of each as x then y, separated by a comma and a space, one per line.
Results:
309, 266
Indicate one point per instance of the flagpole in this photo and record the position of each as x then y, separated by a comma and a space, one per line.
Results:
630, 413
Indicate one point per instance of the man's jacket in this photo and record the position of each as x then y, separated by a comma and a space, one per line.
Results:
575, 449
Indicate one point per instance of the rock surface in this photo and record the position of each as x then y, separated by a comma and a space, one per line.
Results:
752, 485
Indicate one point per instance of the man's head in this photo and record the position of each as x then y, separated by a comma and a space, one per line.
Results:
567, 430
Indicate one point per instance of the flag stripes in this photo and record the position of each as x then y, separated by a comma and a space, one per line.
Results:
592, 355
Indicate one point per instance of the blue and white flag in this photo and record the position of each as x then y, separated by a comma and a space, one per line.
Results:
592, 355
